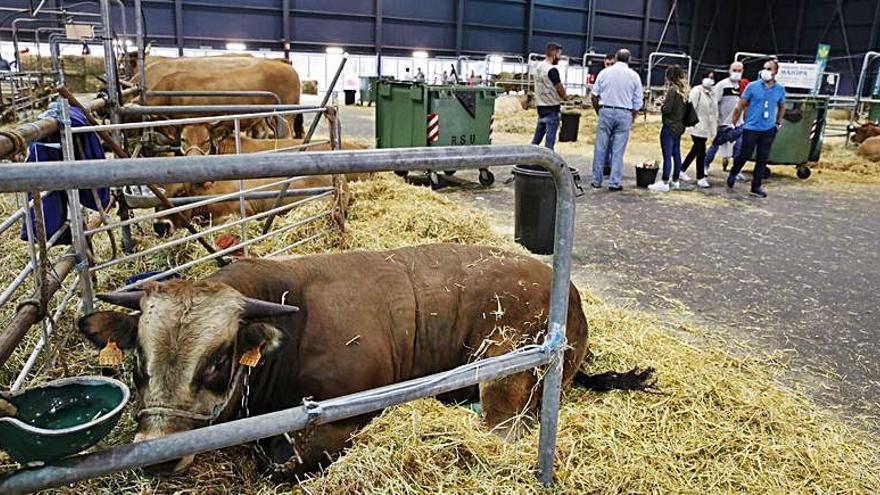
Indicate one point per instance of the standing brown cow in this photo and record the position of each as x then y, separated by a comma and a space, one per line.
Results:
224, 73
436, 307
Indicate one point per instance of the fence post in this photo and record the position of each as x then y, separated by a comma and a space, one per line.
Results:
80, 244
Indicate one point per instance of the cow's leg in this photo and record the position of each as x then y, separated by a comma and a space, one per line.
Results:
298, 129
509, 403
316, 449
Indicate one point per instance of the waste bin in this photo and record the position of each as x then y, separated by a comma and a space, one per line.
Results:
410, 114
568, 132
350, 96
799, 140
535, 207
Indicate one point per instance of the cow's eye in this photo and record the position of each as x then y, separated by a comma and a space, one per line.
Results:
215, 376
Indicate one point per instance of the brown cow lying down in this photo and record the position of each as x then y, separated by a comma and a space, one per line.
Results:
870, 148
440, 306
866, 131
203, 139
222, 209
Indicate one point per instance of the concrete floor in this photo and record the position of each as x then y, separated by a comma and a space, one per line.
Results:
799, 271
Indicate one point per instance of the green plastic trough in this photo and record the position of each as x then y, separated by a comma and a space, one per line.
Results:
61, 417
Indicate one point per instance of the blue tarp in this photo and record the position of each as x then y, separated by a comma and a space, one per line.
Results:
87, 146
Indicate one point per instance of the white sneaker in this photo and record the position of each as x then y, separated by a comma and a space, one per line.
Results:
675, 185
704, 183
706, 171
659, 187
741, 178
684, 177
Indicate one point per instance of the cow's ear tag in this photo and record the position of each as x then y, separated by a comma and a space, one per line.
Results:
252, 356
110, 355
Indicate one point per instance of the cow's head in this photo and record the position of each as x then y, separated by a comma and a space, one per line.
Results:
187, 340
202, 139
866, 131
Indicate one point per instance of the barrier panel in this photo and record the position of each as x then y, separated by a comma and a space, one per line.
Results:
100, 173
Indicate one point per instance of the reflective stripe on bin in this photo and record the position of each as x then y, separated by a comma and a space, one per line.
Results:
491, 128
814, 131
433, 128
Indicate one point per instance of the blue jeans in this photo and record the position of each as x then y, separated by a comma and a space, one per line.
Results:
547, 125
612, 134
670, 144
725, 135
752, 140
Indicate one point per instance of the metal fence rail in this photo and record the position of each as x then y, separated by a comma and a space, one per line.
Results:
87, 174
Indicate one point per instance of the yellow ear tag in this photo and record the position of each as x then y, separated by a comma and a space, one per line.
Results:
110, 355
251, 357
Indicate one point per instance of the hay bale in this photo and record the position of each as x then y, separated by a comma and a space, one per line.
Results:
508, 104
839, 114
309, 87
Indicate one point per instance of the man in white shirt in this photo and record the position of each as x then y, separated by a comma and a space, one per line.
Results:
617, 99
549, 93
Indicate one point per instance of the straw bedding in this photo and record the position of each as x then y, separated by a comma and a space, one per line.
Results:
722, 423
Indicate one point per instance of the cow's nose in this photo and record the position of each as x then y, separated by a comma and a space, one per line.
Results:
169, 468
163, 228
166, 468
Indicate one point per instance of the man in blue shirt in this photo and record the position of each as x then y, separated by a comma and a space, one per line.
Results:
763, 101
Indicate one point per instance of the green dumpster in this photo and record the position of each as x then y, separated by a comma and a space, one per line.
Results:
799, 140
416, 114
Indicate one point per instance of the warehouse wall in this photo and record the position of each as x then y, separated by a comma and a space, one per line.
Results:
794, 28
478, 27
443, 27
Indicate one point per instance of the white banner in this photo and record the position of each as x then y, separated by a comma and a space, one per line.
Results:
793, 75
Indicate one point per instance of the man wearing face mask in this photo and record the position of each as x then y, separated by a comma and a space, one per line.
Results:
727, 93
549, 93
763, 102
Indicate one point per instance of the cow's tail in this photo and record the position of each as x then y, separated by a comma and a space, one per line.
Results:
634, 379
298, 130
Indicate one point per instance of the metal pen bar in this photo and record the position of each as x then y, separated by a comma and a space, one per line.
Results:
32, 359
242, 204
251, 196
22, 275
203, 233
119, 172
80, 243
225, 94
294, 148
297, 243
250, 429
230, 249
187, 206
171, 109
190, 120
18, 214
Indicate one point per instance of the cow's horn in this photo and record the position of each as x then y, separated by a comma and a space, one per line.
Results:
131, 299
254, 308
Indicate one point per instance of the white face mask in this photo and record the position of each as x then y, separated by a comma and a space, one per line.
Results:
767, 75
735, 76
708, 82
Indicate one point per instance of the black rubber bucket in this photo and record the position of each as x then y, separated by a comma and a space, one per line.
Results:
568, 132
535, 208
645, 176
349, 96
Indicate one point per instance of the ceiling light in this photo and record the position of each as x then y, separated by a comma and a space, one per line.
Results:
420, 54
334, 50
236, 47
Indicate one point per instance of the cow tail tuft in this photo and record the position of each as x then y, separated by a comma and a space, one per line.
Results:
634, 379
298, 130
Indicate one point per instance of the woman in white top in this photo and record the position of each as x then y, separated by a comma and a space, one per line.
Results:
703, 100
